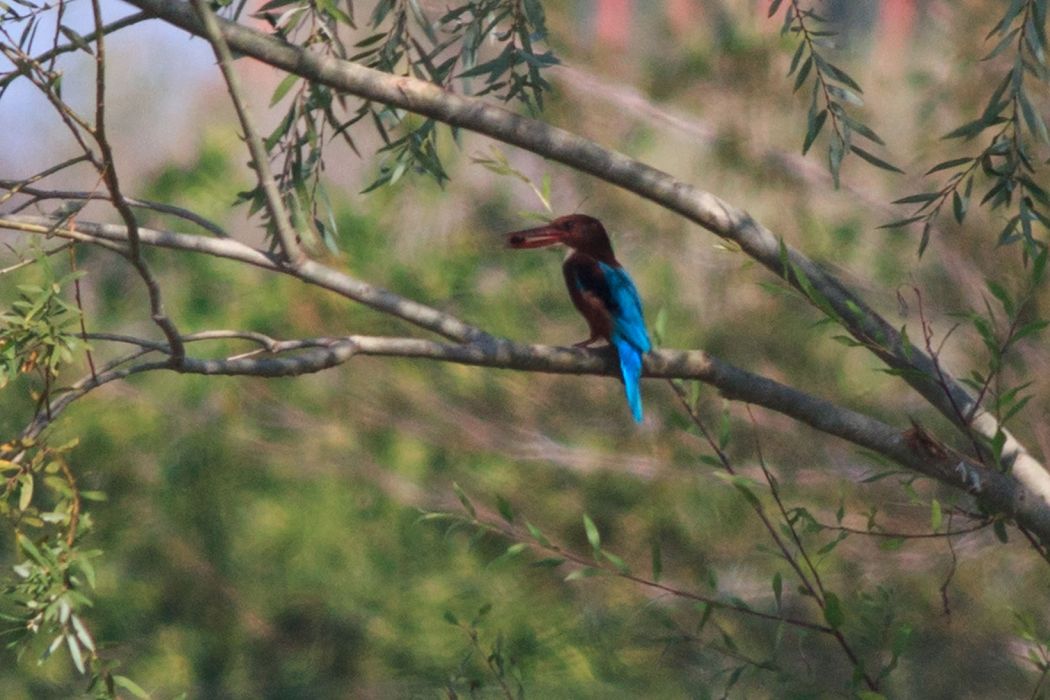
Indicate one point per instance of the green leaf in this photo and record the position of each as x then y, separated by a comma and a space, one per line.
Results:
902, 222
130, 686
891, 544
862, 129
999, 528
548, 563
724, 430
467, 505
1030, 329
925, 240
283, 87
585, 572
815, 125
537, 535
1003, 43
803, 73
505, 510
657, 559
958, 207
836, 151
845, 95
616, 561
1000, 293
797, 57
592, 533
948, 164
1032, 118
78, 41
31, 549
969, 129
935, 515
25, 497
833, 612
82, 633
778, 587
838, 74
917, 198
74, 653
874, 160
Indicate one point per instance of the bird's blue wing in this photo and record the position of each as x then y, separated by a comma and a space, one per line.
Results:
629, 334
628, 320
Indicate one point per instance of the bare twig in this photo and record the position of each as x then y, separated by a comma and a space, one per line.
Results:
286, 235
30, 261
13, 187
108, 170
814, 589
55, 51
18, 186
518, 536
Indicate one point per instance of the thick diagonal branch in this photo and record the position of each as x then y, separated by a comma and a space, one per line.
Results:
703, 208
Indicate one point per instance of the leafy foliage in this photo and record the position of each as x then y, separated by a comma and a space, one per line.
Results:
40, 332
52, 587
1008, 167
403, 38
833, 90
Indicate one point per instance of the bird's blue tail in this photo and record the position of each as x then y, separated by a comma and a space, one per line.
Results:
631, 368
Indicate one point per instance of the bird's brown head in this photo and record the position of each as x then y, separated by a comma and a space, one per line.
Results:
580, 232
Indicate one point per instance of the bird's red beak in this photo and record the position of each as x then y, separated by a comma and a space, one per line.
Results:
535, 237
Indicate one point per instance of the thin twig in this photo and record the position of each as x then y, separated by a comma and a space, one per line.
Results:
108, 171
31, 261
70, 47
286, 235
774, 490
80, 307
548, 546
15, 187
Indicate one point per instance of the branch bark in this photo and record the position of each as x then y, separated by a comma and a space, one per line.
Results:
998, 493
282, 222
703, 208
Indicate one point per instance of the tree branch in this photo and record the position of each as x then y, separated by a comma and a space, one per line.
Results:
14, 187
71, 46
108, 171
703, 208
310, 271
999, 493
286, 235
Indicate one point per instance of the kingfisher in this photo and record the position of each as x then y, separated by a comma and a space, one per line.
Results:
601, 290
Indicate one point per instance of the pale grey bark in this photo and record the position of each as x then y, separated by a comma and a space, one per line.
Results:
999, 493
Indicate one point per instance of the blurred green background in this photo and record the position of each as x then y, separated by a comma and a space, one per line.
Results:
263, 538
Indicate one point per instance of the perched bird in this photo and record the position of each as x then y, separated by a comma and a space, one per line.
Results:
600, 289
